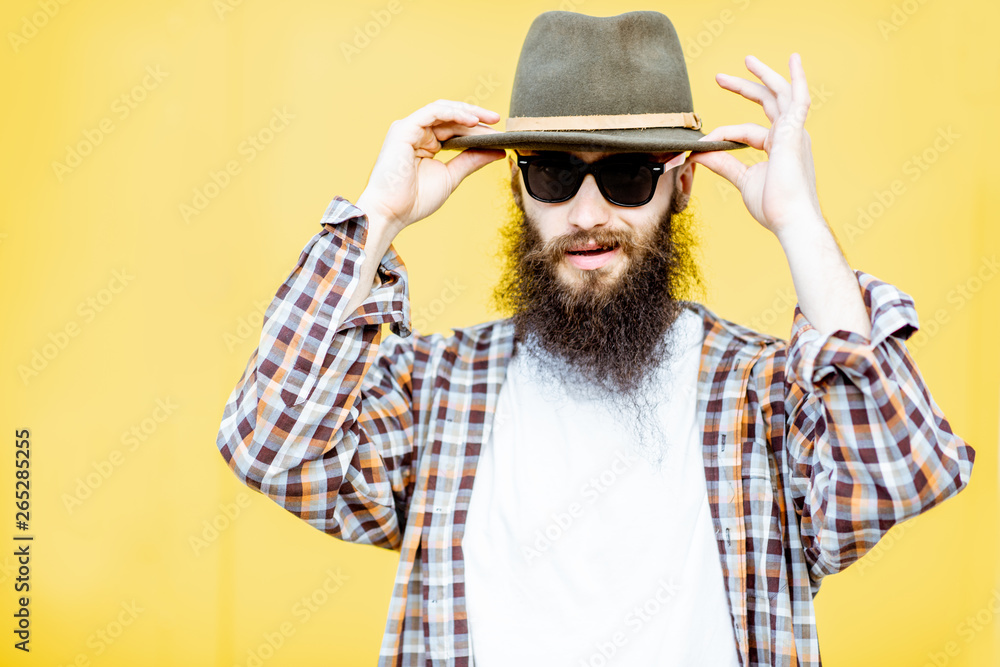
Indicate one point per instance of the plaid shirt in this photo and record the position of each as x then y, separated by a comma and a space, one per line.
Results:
813, 448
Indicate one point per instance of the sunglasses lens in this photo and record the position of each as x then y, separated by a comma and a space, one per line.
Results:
552, 180
627, 183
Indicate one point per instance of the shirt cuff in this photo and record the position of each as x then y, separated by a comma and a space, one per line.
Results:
389, 303
813, 357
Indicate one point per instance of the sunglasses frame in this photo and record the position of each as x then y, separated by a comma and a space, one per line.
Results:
583, 168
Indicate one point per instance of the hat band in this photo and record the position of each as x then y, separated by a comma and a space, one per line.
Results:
613, 122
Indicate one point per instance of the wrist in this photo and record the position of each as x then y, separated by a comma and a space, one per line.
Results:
378, 219
382, 229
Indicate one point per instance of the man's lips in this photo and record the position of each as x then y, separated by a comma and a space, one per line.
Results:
591, 256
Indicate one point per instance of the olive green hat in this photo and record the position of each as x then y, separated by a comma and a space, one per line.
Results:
590, 83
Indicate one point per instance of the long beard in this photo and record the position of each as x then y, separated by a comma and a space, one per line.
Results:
606, 335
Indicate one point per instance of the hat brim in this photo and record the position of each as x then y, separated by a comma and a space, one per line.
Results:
649, 140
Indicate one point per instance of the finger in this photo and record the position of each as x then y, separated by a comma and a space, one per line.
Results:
774, 81
482, 112
448, 130
800, 91
432, 137
722, 163
451, 110
470, 160
751, 90
751, 134
426, 127
429, 117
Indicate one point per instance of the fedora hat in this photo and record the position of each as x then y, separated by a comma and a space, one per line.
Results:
591, 83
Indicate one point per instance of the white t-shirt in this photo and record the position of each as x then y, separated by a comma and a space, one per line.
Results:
579, 549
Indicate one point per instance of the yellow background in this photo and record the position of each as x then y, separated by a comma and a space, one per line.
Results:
173, 326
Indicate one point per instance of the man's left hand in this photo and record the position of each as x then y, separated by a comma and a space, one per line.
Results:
782, 190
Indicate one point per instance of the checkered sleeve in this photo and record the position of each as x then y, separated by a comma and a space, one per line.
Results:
867, 446
321, 419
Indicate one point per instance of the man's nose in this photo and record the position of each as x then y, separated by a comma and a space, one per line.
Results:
589, 208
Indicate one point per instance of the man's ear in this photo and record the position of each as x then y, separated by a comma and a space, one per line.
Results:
683, 183
515, 175
515, 180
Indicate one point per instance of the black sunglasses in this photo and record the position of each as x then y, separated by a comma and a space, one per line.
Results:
624, 180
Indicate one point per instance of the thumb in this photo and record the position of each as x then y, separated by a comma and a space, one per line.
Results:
470, 160
722, 163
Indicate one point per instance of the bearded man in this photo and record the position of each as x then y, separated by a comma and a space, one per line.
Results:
612, 474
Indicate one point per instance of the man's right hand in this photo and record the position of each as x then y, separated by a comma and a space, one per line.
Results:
407, 184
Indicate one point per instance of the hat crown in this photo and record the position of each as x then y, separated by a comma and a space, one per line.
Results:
577, 65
